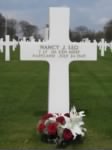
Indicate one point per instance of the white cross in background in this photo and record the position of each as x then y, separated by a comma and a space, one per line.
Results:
110, 45
59, 52
1, 45
7, 43
103, 46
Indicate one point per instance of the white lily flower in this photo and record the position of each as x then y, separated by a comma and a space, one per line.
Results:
75, 122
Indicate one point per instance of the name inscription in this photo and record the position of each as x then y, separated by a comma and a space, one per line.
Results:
57, 51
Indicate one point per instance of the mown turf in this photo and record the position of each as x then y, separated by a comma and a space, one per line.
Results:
24, 95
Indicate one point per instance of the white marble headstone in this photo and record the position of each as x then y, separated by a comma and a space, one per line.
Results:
59, 52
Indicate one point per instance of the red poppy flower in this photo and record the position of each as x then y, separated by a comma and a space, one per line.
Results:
67, 135
47, 116
61, 120
41, 127
52, 128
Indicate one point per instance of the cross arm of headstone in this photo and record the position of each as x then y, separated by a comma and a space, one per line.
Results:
50, 51
33, 50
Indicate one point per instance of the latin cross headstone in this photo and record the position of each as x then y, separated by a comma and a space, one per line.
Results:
7, 43
86, 40
32, 39
110, 45
1, 45
59, 52
24, 39
102, 46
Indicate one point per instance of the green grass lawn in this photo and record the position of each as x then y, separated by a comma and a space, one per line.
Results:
24, 98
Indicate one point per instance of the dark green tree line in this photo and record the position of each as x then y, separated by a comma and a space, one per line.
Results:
23, 28
17, 29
